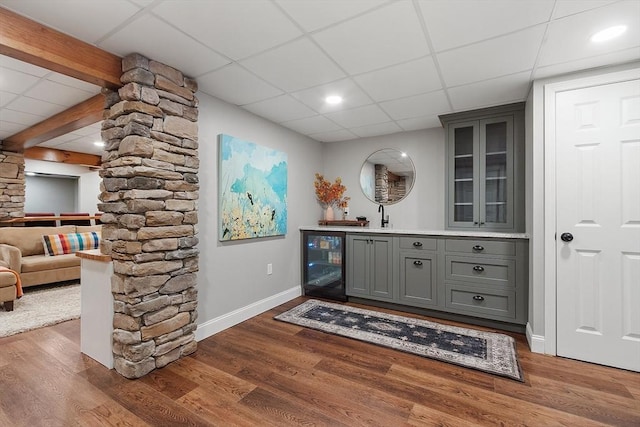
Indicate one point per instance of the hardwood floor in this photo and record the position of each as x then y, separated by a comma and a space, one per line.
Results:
263, 372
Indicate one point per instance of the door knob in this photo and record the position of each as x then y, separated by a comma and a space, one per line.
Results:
566, 237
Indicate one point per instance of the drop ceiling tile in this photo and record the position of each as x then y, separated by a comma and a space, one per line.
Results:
20, 117
90, 130
72, 82
236, 85
571, 7
492, 58
417, 106
36, 106
24, 67
377, 39
361, 116
167, 45
335, 136
15, 81
57, 93
567, 39
6, 97
315, 15
294, 66
502, 90
85, 20
377, 129
401, 80
424, 122
453, 23
351, 94
619, 57
280, 109
9, 128
316, 124
234, 28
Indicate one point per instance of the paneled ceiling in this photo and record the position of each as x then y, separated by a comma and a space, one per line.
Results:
397, 64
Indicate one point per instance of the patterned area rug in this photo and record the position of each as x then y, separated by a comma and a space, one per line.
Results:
486, 351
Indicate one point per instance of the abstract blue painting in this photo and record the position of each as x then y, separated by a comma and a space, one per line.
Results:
252, 183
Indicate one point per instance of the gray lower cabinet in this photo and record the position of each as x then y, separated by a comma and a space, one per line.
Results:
487, 278
370, 266
479, 277
418, 281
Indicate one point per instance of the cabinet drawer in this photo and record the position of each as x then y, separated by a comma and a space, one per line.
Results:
419, 243
481, 301
489, 247
496, 272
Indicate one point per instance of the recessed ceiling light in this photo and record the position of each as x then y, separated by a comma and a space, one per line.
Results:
99, 144
608, 33
333, 99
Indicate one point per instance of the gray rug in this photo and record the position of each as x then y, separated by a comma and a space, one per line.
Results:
41, 306
485, 351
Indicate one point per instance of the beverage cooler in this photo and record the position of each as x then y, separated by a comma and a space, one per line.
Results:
323, 258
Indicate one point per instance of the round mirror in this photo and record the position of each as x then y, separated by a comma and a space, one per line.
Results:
387, 176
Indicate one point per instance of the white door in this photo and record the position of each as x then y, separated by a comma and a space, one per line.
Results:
598, 204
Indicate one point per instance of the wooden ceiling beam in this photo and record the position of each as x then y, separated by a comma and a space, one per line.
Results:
31, 42
80, 115
62, 156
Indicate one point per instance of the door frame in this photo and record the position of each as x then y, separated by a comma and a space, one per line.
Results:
550, 181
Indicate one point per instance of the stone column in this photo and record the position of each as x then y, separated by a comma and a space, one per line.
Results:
149, 197
12, 185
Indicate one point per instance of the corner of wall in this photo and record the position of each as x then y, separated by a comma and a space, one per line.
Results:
536, 342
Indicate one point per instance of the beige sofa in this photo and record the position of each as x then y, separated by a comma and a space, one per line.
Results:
22, 250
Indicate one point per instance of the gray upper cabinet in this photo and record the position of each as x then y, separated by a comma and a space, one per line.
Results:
485, 168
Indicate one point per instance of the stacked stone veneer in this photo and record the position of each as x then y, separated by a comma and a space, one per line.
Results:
149, 198
11, 185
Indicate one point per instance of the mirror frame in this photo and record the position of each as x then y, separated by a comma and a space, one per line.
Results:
393, 157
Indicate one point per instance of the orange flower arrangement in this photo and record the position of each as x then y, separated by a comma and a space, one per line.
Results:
329, 194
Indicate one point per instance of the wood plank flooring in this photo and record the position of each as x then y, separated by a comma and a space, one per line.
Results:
268, 373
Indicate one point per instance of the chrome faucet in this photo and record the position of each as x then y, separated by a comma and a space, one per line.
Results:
383, 220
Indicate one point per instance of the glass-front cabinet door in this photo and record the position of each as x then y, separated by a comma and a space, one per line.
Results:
464, 164
496, 175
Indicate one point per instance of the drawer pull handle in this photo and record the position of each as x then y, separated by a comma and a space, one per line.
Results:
417, 244
478, 248
478, 298
478, 268
417, 262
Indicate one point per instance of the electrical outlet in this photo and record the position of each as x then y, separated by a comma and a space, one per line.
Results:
269, 268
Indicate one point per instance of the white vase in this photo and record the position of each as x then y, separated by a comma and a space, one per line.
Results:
328, 213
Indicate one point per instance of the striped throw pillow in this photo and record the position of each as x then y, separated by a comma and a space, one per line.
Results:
59, 244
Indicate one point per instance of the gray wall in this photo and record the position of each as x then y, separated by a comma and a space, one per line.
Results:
424, 207
233, 275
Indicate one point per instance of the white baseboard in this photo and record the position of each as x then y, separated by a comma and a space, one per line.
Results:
220, 323
536, 342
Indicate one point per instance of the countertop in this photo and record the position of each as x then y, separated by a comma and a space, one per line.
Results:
399, 231
94, 255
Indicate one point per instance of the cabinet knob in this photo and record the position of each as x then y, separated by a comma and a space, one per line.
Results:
417, 262
478, 298
478, 268
478, 248
417, 244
